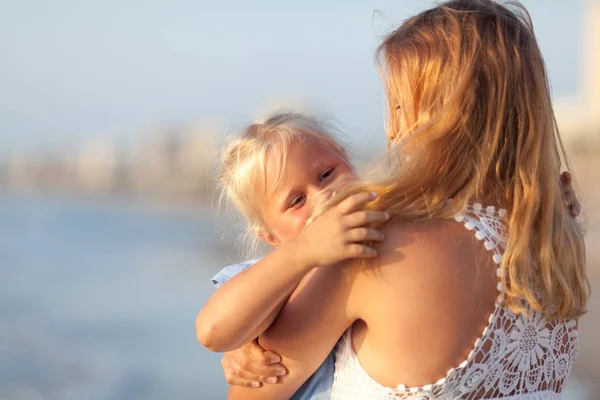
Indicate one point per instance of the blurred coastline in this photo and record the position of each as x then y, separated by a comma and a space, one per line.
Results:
174, 164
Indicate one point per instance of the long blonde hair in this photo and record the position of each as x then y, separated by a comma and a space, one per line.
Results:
469, 98
242, 178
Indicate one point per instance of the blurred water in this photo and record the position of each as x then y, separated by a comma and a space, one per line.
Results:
98, 303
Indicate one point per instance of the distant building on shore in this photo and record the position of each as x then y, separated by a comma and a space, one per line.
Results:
95, 167
173, 161
21, 172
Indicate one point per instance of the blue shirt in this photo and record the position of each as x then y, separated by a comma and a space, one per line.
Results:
318, 386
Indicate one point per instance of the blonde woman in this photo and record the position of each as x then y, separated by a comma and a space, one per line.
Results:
479, 284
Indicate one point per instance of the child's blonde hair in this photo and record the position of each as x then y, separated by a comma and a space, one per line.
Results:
242, 177
467, 87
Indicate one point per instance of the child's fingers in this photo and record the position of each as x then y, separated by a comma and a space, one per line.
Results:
234, 374
269, 357
244, 374
360, 251
261, 363
363, 235
569, 197
566, 178
356, 202
256, 353
571, 203
574, 209
237, 381
245, 377
362, 218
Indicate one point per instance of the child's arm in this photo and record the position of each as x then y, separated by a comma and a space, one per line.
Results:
224, 275
246, 305
249, 365
227, 273
236, 312
319, 311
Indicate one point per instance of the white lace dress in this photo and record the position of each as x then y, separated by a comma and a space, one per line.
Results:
516, 357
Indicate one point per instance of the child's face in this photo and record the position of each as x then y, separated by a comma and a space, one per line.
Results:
309, 169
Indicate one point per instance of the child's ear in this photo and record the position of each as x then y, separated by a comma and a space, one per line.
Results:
267, 237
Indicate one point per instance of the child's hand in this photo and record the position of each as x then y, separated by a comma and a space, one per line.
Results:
340, 233
569, 195
252, 366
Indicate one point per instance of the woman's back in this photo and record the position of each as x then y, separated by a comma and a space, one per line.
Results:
431, 321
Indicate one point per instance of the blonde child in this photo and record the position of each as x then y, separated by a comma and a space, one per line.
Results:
296, 153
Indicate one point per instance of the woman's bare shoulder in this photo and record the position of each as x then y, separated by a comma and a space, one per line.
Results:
428, 244
438, 258
425, 300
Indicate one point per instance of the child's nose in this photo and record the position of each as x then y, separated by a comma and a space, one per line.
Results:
318, 196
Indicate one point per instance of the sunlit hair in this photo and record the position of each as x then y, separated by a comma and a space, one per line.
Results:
242, 177
469, 99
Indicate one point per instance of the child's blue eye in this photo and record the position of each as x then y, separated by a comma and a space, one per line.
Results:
326, 174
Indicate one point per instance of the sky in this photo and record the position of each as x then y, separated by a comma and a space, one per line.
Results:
74, 70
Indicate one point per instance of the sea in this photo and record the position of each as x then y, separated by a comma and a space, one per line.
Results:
98, 301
